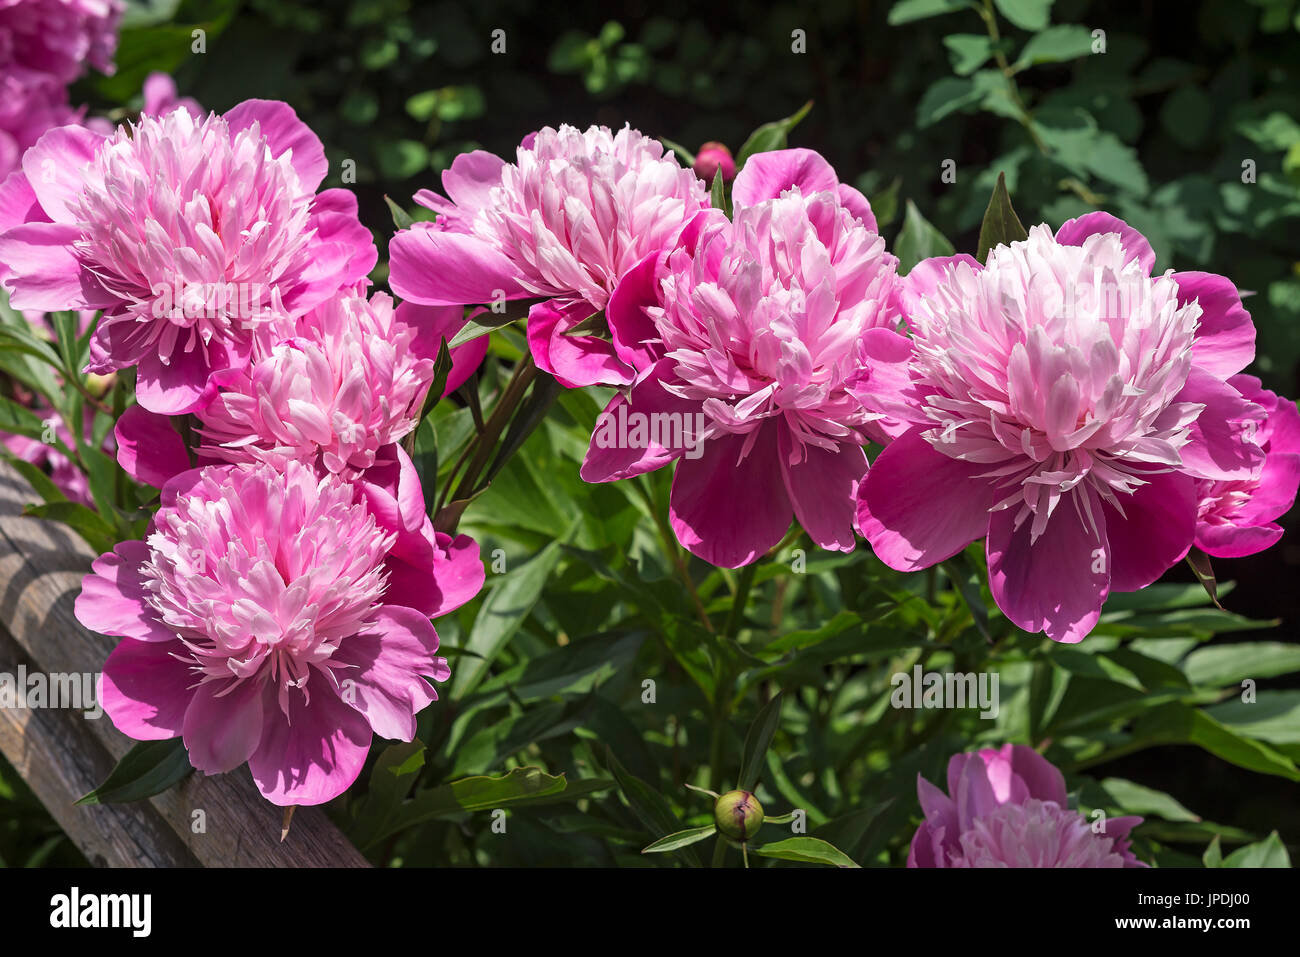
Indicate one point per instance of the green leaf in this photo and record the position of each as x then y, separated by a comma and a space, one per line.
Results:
1274, 716
396, 771
805, 850
149, 768
905, 11
1270, 852
507, 605
401, 218
680, 839
1220, 665
1199, 563
1001, 226
686, 157
1056, 45
968, 51
1031, 15
1131, 798
918, 240
650, 807
1213, 856
1178, 723
758, 741
771, 136
20, 420
44, 486
87, 523
945, 96
718, 192
481, 325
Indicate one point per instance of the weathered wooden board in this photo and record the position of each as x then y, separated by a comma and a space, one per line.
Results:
63, 754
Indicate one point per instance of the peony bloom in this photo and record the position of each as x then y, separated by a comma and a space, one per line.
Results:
1239, 517
261, 624
44, 46
749, 349
565, 222
1007, 808
1062, 402
201, 239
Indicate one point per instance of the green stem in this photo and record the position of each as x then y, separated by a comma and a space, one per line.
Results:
743, 587
484, 443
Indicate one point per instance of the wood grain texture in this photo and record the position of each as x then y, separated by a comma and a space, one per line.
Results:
62, 754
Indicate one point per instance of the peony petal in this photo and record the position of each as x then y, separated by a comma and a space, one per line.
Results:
114, 600
823, 490
284, 132
145, 690
439, 268
42, 273
727, 510
924, 278
148, 448
575, 360
617, 453
1154, 533
636, 340
459, 572
385, 683
1225, 340
1073, 232
1056, 584
857, 204
223, 727
54, 166
768, 175
917, 506
315, 753
1221, 446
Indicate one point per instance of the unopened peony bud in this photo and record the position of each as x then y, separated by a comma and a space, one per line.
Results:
738, 815
711, 158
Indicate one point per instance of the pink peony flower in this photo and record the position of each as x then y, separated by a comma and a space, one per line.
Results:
750, 352
201, 239
565, 222
1062, 402
1237, 517
1007, 808
261, 624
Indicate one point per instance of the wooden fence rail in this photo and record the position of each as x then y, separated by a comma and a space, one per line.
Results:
62, 754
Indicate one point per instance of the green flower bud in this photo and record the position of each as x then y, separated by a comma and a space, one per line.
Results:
738, 815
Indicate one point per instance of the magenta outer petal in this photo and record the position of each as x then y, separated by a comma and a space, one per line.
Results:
334, 217
1218, 447
1073, 232
1225, 341
148, 448
440, 268
145, 690
1237, 541
470, 179
768, 175
636, 340
727, 510
1056, 585
41, 271
647, 398
284, 132
223, 727
1042, 778
54, 166
18, 203
917, 506
884, 382
459, 572
436, 323
576, 361
314, 754
112, 600
857, 204
388, 662
823, 489
178, 387
971, 789
1154, 533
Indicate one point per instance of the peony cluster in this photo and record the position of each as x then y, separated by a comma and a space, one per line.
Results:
278, 610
